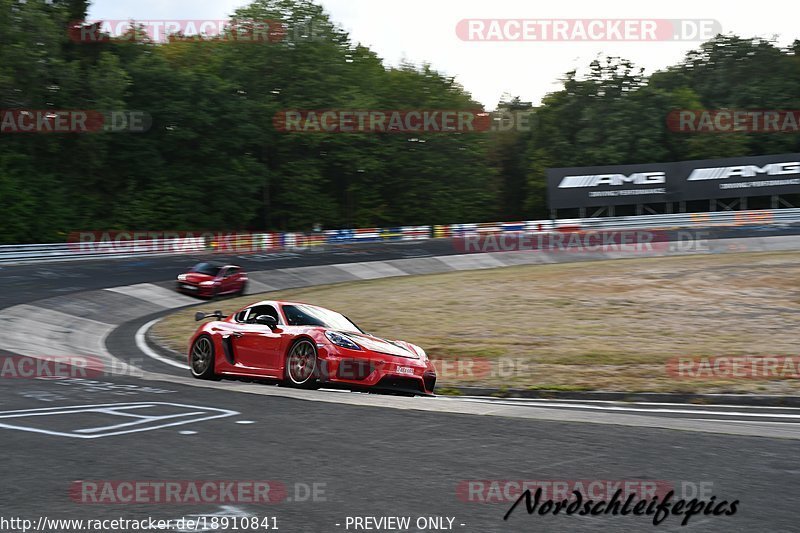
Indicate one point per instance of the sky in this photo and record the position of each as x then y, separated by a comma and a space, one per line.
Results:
424, 31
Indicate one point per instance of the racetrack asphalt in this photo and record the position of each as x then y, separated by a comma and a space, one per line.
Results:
365, 461
373, 462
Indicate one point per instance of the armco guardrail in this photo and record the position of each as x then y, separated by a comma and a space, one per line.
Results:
681, 220
122, 244
118, 244
675, 220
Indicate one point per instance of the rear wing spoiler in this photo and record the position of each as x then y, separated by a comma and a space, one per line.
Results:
202, 316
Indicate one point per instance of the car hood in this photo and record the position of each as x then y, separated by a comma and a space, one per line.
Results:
375, 344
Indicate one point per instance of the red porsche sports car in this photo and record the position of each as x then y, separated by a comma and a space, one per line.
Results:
211, 280
306, 346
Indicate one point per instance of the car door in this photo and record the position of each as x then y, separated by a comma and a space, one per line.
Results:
257, 347
224, 280
233, 280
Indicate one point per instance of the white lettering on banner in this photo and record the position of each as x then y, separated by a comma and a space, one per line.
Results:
639, 178
745, 171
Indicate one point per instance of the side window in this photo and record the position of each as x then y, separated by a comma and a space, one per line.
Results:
297, 317
240, 316
231, 272
259, 310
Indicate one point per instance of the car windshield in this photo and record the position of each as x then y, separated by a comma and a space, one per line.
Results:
206, 268
307, 315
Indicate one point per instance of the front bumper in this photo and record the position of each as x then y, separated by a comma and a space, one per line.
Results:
196, 290
370, 370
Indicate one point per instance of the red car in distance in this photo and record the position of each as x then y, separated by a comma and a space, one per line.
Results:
209, 280
306, 346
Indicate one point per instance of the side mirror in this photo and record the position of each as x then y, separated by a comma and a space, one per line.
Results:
267, 320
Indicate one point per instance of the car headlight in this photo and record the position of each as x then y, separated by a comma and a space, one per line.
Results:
341, 340
182, 277
208, 283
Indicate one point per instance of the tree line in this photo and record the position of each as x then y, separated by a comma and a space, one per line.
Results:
212, 158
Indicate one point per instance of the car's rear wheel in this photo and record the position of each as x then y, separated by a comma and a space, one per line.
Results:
202, 358
302, 365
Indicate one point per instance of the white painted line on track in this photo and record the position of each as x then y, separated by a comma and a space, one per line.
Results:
141, 343
744, 421
568, 400
644, 411
144, 423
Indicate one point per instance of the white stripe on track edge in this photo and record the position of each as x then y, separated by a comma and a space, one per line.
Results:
534, 401
744, 421
643, 411
142, 345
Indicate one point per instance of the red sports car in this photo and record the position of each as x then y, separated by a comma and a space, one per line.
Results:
210, 280
306, 346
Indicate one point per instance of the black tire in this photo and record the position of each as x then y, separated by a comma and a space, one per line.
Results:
242, 290
301, 366
202, 358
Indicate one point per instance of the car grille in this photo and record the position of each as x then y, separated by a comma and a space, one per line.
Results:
400, 384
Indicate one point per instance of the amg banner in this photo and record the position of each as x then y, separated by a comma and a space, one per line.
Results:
736, 178
673, 182
603, 186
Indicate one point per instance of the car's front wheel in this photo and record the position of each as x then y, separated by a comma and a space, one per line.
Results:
302, 365
202, 357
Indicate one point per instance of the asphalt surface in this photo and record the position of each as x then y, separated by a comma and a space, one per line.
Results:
362, 461
367, 461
